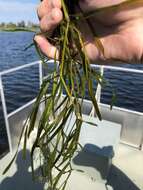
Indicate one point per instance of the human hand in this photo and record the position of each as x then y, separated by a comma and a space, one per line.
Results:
120, 31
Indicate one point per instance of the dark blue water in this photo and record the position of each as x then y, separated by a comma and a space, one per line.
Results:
128, 88
12, 47
22, 86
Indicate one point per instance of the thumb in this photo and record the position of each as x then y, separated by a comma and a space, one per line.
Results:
48, 49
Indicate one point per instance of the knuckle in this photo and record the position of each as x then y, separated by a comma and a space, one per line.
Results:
42, 9
43, 27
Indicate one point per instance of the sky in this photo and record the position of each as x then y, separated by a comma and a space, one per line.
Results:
17, 10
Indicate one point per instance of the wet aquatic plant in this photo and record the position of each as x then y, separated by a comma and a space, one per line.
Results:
56, 139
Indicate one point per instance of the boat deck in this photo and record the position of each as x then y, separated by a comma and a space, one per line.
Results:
127, 170
126, 173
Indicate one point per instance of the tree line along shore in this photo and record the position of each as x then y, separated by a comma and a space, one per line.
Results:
20, 26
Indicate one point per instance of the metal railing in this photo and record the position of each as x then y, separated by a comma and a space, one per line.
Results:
3, 99
115, 68
98, 92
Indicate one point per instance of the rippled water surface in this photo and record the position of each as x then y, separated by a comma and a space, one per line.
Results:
22, 86
12, 47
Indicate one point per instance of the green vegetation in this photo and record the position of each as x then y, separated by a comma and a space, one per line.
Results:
20, 26
55, 140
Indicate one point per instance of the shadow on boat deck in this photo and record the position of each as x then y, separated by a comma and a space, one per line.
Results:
22, 178
95, 161
120, 181
117, 179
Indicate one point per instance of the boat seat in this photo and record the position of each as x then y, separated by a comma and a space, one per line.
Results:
99, 140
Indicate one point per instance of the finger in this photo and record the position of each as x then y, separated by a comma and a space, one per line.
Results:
114, 16
56, 4
88, 5
116, 47
119, 46
51, 20
48, 49
46, 6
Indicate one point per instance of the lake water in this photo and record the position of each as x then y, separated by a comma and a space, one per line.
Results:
18, 86
22, 86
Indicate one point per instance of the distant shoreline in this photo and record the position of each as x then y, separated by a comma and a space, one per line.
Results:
19, 29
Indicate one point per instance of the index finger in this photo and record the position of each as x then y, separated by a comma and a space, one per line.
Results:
46, 6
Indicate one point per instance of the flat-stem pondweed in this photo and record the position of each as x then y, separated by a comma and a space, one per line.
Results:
55, 142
